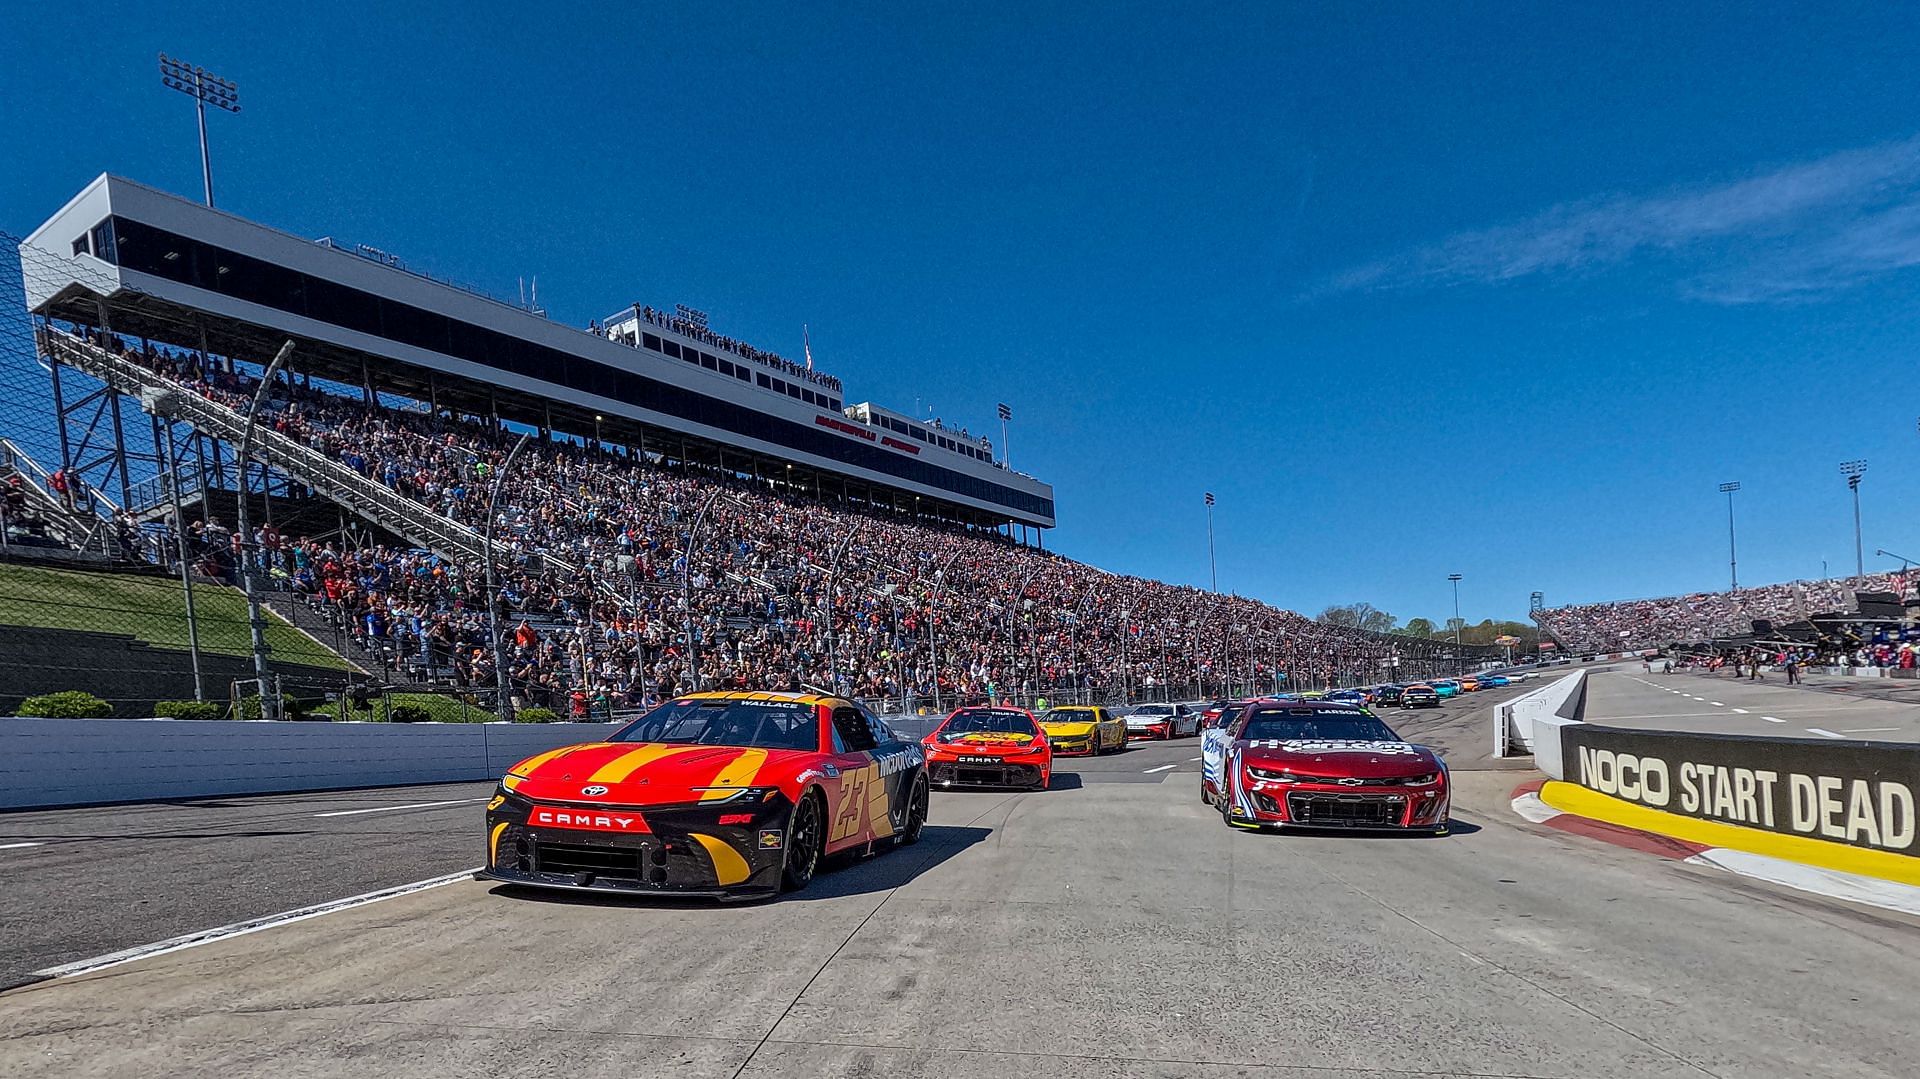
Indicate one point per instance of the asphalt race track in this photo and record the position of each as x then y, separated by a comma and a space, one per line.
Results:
1836, 708
1111, 926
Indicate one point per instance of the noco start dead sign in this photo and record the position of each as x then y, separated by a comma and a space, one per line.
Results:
1860, 793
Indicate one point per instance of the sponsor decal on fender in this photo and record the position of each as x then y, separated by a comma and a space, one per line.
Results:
772, 839
590, 820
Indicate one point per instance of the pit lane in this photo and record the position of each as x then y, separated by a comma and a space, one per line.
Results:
1111, 926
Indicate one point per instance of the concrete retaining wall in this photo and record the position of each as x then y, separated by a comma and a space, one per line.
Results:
58, 762
1515, 721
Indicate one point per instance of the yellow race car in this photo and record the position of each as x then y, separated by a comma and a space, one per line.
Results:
1084, 730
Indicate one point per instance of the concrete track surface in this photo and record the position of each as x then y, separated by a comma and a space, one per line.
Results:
1833, 708
1112, 926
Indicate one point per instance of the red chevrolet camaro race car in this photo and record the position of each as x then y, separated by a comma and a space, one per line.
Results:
1327, 764
989, 747
721, 794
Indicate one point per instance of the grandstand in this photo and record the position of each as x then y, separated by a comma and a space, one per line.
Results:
690, 511
1728, 616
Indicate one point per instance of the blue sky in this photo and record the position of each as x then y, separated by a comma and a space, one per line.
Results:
1502, 290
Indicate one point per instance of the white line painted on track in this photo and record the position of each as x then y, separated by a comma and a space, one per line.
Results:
1771, 719
1199, 758
390, 809
1868, 730
1716, 704
1162, 768
1824, 733
252, 925
18, 846
1742, 711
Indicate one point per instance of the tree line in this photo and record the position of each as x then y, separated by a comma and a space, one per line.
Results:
1366, 616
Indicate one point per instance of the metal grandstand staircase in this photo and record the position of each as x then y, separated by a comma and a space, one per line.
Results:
74, 527
368, 499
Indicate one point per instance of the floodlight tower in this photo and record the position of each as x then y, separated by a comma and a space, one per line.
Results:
1733, 566
205, 88
1853, 470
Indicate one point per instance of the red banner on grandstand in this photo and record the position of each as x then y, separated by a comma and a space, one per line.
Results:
1547, 646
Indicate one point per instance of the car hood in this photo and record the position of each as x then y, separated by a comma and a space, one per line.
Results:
1147, 720
984, 740
650, 773
1068, 728
1363, 760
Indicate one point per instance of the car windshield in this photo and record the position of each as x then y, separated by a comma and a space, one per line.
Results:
1316, 725
757, 724
1067, 715
1154, 710
987, 721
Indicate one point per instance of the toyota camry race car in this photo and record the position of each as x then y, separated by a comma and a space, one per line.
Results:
989, 747
733, 795
1320, 764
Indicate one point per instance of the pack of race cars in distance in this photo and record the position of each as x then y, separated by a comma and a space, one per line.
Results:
1280, 763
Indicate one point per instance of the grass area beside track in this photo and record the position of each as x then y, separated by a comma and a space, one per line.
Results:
149, 609
440, 708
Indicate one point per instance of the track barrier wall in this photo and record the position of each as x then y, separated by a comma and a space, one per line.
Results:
1515, 722
1857, 793
64, 762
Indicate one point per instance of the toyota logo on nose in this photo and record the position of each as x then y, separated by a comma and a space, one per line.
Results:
594, 791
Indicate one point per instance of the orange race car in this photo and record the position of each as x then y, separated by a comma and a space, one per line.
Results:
721, 794
989, 747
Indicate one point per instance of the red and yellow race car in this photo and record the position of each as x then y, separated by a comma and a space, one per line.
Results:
989, 747
732, 795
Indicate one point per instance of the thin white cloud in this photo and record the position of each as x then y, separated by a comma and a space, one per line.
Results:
1789, 234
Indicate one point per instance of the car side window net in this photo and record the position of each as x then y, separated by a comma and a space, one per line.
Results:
853, 730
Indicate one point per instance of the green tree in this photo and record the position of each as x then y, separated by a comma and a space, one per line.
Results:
1359, 616
1418, 627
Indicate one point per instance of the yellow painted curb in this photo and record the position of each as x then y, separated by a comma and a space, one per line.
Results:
1578, 800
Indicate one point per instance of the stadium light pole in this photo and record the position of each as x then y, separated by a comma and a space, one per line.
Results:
1213, 567
502, 682
686, 590
1733, 565
1455, 578
833, 578
1079, 615
249, 550
1853, 470
1013, 629
205, 88
1006, 458
933, 618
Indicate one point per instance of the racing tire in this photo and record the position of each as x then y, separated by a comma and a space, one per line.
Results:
806, 839
917, 803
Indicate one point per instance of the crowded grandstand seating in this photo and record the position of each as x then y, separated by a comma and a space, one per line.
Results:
612, 626
1703, 616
